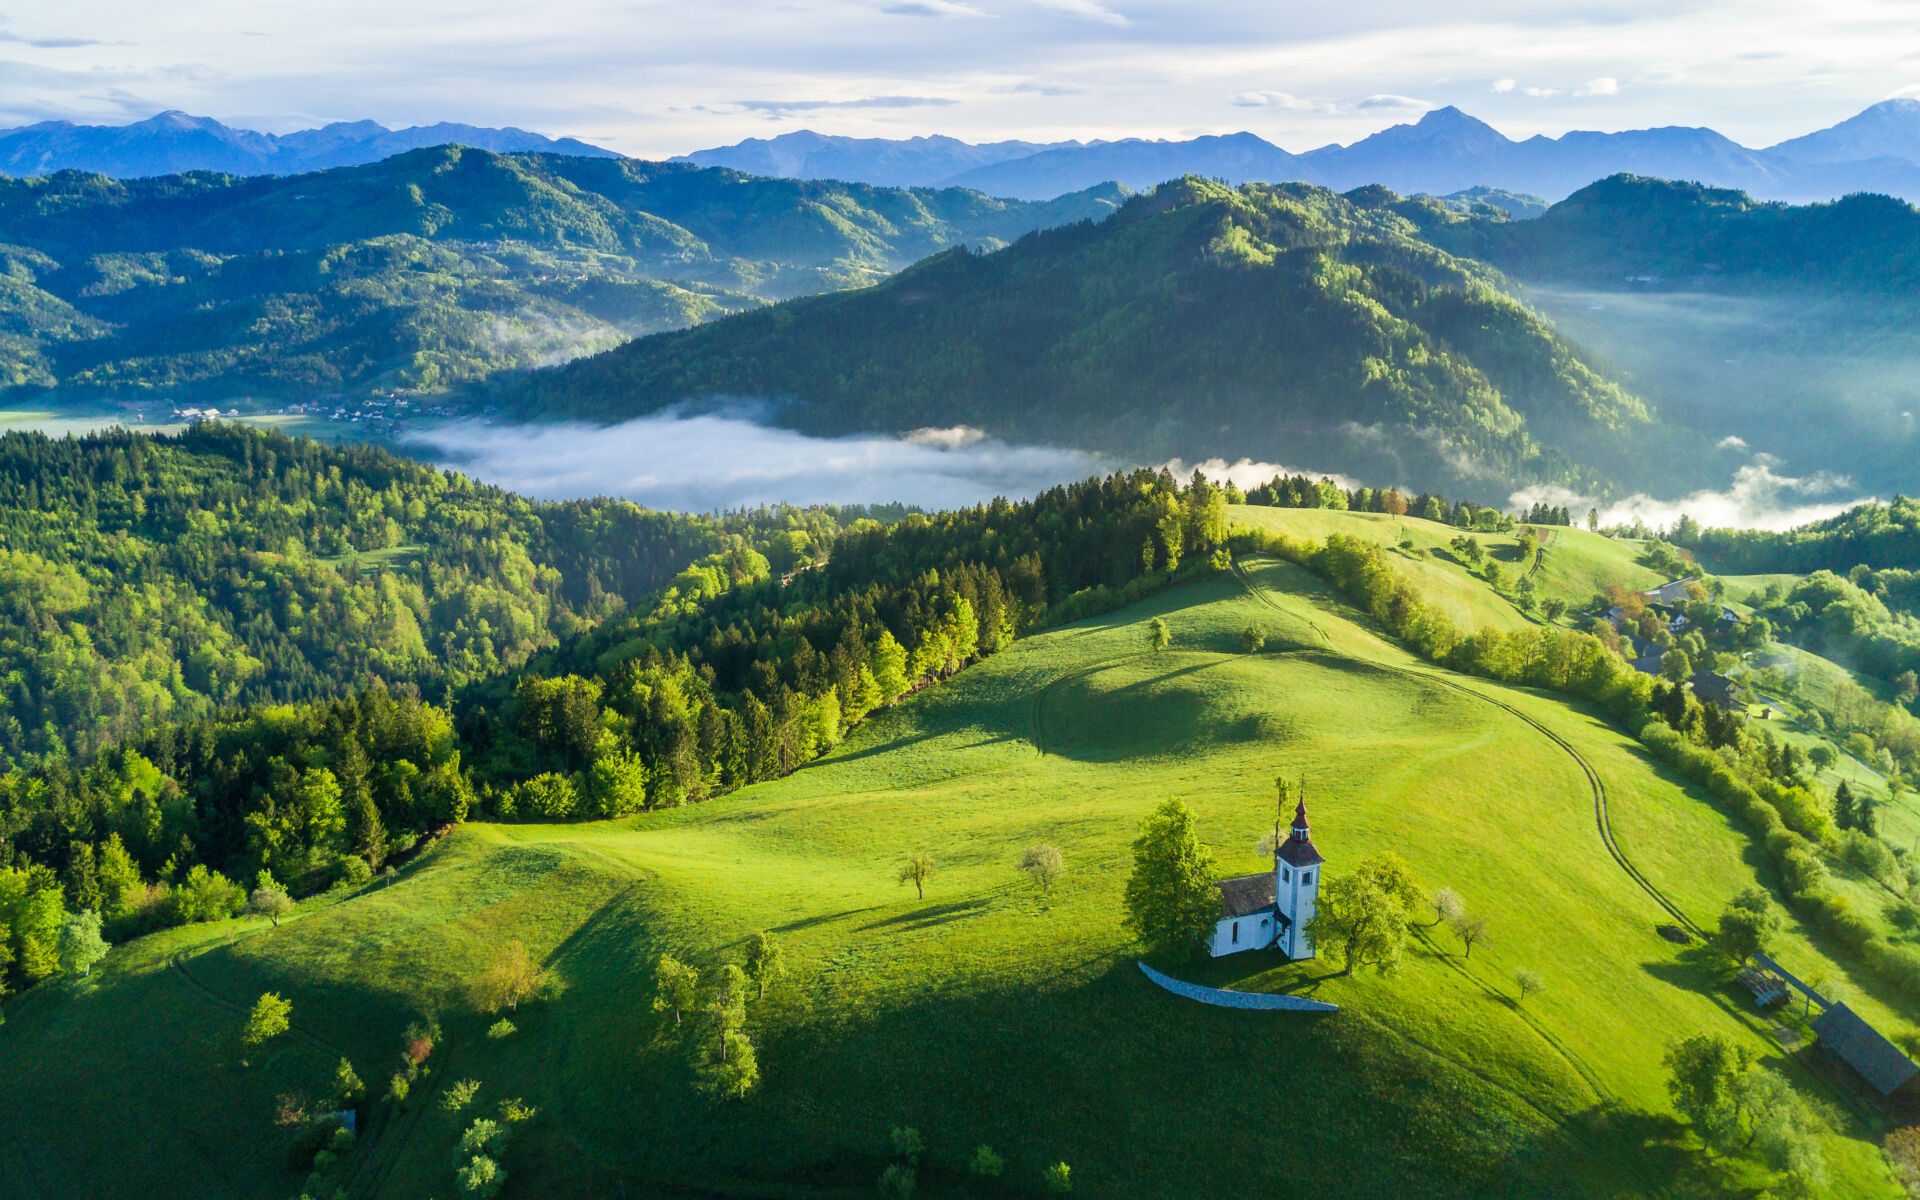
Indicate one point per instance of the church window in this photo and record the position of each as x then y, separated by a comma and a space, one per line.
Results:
1307, 877
1285, 875
1236, 933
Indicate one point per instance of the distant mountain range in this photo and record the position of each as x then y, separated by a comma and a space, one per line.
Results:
1445, 151
429, 268
175, 142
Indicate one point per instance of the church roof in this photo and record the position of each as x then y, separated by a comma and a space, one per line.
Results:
1299, 852
1246, 895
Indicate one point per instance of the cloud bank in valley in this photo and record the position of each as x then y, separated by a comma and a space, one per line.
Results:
699, 463
1759, 497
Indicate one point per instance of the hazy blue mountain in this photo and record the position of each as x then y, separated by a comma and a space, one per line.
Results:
1517, 205
172, 143
888, 162
1236, 157
1890, 129
1445, 151
431, 267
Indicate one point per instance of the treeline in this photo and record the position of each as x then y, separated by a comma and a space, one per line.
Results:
1302, 491
1872, 535
1764, 781
735, 673
146, 579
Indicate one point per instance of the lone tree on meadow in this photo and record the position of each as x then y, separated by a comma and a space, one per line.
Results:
676, 986
268, 899
1159, 637
272, 1016
1254, 639
1043, 864
1366, 913
1748, 925
763, 961
513, 976
1469, 930
1529, 983
1171, 901
916, 871
1447, 907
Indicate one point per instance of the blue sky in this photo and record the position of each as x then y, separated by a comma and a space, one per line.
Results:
653, 78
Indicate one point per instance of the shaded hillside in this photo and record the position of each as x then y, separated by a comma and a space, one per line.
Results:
1767, 327
1658, 233
430, 267
1269, 321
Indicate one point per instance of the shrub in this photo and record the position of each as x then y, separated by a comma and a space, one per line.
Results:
480, 1179
907, 1143
985, 1163
502, 1028
1058, 1179
897, 1182
460, 1094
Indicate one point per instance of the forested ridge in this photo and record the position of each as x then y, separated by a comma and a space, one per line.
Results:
428, 268
732, 672
152, 578
1199, 320
1669, 233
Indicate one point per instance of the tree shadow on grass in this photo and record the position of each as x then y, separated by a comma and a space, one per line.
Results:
933, 914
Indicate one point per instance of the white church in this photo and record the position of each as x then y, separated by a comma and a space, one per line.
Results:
1272, 908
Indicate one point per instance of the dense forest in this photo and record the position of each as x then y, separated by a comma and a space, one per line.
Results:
1881, 536
1199, 320
732, 672
1667, 233
144, 578
431, 267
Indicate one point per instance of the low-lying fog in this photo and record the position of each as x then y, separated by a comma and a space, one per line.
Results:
702, 462
710, 461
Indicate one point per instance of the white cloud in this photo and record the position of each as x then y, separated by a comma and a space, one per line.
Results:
1605, 85
1086, 10
931, 8
702, 462
1281, 100
1245, 473
1732, 441
1542, 93
1757, 498
1912, 89
1505, 85
1391, 102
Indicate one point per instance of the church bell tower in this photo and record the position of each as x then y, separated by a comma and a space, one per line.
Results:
1296, 883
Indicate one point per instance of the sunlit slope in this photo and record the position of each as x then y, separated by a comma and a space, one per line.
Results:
1576, 567
984, 1013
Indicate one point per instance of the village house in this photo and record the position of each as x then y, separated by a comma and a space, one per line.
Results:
1270, 909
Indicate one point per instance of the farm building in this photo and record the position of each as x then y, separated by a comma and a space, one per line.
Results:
1859, 1045
1272, 908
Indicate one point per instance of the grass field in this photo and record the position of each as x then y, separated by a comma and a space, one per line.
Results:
985, 1013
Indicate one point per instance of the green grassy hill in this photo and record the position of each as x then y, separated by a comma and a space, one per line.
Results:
985, 1013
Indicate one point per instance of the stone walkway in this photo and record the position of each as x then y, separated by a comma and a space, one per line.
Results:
1223, 998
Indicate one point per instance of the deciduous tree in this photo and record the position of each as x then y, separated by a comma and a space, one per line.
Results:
763, 961
916, 871
513, 975
676, 986
1044, 864
1171, 901
1364, 914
